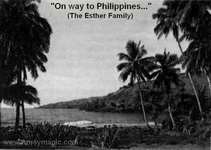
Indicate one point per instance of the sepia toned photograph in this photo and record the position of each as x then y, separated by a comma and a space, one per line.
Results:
105, 74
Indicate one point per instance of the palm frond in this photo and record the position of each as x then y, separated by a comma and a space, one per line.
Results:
123, 56
132, 49
166, 72
121, 66
13, 93
31, 99
142, 52
125, 73
154, 74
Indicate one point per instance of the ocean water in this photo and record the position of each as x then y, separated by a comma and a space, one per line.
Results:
67, 115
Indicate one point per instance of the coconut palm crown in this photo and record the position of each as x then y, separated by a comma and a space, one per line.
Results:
134, 63
166, 72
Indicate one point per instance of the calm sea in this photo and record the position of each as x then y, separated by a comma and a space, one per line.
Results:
67, 115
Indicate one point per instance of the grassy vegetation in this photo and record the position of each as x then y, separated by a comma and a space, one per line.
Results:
107, 137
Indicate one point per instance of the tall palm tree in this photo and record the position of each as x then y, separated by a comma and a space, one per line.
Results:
168, 19
26, 37
165, 75
198, 50
137, 66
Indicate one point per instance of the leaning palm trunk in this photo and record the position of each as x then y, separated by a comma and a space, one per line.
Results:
180, 47
196, 94
171, 116
23, 114
208, 80
142, 104
192, 83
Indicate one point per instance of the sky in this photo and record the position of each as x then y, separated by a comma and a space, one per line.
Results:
83, 53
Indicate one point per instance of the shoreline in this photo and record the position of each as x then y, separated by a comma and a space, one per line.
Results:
97, 125
35, 115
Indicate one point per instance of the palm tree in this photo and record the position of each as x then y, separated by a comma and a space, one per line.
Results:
136, 66
167, 22
198, 50
26, 93
190, 14
199, 59
195, 24
26, 36
185, 14
168, 19
165, 75
126, 67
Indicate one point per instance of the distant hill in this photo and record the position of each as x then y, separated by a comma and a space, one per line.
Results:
125, 99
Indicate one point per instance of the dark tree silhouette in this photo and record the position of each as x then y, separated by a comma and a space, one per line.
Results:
25, 36
181, 16
197, 55
165, 75
136, 66
14, 92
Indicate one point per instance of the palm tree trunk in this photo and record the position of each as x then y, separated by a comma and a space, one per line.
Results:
171, 116
17, 120
192, 83
131, 80
8, 53
23, 114
196, 94
17, 115
142, 104
208, 80
180, 47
